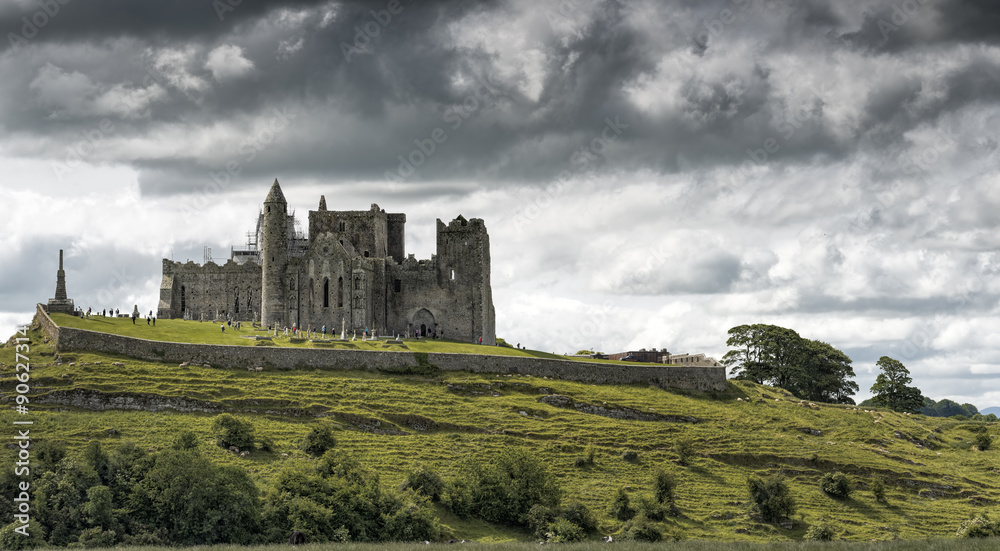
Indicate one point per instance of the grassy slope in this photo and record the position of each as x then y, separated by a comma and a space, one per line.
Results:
930, 491
211, 333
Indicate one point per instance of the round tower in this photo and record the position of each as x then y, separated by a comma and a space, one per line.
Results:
274, 258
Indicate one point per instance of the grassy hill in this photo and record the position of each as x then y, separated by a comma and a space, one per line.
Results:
933, 475
211, 333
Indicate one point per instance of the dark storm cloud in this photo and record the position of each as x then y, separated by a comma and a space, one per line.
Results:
99, 20
367, 105
894, 26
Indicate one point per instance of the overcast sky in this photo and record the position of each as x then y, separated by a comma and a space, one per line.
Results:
651, 173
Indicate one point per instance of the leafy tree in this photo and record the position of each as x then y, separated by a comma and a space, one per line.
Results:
97, 509
186, 440
878, 491
826, 374
771, 497
947, 408
97, 459
684, 448
412, 521
195, 501
769, 354
233, 432
425, 482
621, 507
640, 529
890, 389
538, 519
765, 354
340, 500
664, 485
820, 532
15, 541
505, 487
319, 441
836, 485
60, 496
580, 515
563, 531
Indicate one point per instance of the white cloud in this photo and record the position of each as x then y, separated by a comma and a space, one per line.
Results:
175, 64
226, 62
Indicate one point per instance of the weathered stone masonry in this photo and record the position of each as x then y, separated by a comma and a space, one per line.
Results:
351, 272
227, 356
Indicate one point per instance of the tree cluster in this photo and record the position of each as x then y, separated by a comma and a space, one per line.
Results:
891, 388
778, 356
179, 497
947, 408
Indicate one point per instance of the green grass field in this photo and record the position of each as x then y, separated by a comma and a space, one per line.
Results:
901, 545
934, 477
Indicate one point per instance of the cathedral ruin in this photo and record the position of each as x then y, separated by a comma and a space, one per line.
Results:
351, 271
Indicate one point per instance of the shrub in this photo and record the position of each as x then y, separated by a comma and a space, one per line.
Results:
588, 459
563, 531
505, 487
265, 443
979, 526
230, 431
621, 507
664, 485
771, 497
412, 522
96, 537
836, 485
458, 499
186, 440
651, 509
820, 532
319, 441
684, 448
425, 482
580, 515
641, 530
983, 441
630, 456
538, 519
878, 491
558, 525
9, 539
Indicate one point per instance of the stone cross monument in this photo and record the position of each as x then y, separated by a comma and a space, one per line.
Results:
60, 303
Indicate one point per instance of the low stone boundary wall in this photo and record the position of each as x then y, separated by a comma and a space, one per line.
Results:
48, 325
269, 357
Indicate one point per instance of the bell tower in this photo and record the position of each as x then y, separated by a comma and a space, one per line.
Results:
274, 258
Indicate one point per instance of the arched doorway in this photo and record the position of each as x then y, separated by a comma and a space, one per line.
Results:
424, 321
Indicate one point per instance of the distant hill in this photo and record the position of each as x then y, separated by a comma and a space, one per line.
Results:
994, 410
944, 408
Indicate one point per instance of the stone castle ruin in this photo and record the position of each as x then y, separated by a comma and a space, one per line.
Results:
350, 273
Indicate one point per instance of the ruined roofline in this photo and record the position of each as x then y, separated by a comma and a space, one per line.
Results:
460, 224
171, 266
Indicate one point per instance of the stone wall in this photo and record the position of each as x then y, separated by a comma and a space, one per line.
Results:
48, 326
271, 357
210, 289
